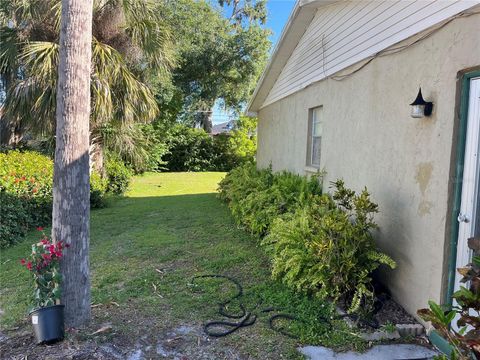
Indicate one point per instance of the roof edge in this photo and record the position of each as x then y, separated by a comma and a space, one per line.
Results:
297, 23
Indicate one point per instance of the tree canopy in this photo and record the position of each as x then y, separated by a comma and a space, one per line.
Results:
131, 41
220, 56
163, 61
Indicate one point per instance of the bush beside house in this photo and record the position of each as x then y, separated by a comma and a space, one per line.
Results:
257, 197
320, 244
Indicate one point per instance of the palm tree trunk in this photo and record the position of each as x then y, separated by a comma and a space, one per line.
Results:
71, 187
97, 158
10, 131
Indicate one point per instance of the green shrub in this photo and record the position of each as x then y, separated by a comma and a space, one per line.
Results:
257, 197
156, 149
26, 182
25, 193
195, 150
319, 244
15, 220
118, 176
224, 157
188, 149
327, 248
243, 139
26, 174
98, 189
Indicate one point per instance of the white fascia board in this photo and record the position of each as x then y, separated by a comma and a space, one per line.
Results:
300, 18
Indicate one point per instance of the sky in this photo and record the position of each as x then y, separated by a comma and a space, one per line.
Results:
278, 12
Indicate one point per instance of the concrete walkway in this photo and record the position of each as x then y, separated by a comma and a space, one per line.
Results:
379, 352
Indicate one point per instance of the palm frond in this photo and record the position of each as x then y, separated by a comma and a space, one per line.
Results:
124, 98
40, 59
148, 31
33, 105
32, 98
9, 48
126, 140
120, 97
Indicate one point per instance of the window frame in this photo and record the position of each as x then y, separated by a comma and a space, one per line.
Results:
311, 136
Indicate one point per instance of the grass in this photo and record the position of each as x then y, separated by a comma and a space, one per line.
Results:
146, 247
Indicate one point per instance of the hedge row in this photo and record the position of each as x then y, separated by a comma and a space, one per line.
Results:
195, 150
320, 244
26, 180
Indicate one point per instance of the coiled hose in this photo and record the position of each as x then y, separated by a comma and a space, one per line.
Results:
244, 318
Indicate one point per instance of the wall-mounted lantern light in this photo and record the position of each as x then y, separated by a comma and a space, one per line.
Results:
420, 107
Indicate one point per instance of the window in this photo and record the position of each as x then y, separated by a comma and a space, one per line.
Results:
314, 137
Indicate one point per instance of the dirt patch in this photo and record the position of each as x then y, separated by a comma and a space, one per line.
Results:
391, 312
385, 312
125, 337
183, 342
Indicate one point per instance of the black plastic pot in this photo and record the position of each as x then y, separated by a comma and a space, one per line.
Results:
48, 324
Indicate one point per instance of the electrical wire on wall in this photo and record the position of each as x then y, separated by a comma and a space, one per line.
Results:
394, 50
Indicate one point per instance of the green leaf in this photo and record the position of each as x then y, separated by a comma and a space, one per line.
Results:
476, 260
438, 312
56, 293
450, 316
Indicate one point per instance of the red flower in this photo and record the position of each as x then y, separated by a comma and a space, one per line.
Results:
51, 249
34, 190
29, 265
23, 178
39, 228
45, 242
22, 261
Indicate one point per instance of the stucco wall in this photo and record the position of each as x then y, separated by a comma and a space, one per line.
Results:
369, 139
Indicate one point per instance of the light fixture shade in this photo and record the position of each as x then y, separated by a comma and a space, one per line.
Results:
420, 107
417, 111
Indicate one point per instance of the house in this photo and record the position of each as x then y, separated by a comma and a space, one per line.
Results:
223, 128
336, 95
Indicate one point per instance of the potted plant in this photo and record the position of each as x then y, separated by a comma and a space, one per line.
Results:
47, 313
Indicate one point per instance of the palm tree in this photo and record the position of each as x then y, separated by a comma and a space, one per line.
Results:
71, 189
130, 44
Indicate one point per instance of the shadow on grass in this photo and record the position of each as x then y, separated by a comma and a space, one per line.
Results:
145, 250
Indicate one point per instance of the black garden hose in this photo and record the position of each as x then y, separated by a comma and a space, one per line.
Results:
244, 318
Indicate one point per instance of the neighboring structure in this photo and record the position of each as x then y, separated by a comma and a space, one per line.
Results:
223, 128
336, 96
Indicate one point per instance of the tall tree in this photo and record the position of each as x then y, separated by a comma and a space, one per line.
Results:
220, 56
71, 186
130, 42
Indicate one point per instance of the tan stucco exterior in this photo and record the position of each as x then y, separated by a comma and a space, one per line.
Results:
369, 139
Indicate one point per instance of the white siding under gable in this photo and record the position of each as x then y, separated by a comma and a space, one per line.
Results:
346, 32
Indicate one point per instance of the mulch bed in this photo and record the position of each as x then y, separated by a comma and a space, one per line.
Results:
386, 312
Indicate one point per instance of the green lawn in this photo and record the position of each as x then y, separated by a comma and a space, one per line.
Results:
147, 246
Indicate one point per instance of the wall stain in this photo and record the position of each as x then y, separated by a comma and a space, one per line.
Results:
424, 174
424, 207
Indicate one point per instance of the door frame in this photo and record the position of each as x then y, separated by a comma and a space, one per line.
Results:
458, 178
